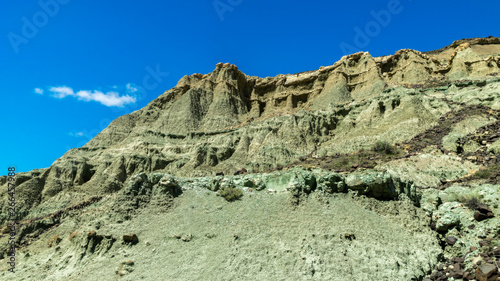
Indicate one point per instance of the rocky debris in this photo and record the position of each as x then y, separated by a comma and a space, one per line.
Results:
446, 123
343, 162
187, 237
168, 185
125, 267
92, 234
483, 213
302, 182
331, 183
30, 230
470, 41
93, 243
480, 147
130, 238
487, 272
349, 236
451, 240
484, 243
475, 264
156, 184
454, 269
240, 172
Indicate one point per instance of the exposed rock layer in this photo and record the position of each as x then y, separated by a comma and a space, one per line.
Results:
440, 109
226, 120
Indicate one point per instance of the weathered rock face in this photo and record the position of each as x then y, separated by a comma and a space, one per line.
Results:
335, 207
227, 120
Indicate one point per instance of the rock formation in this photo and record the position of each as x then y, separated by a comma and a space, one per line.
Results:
436, 113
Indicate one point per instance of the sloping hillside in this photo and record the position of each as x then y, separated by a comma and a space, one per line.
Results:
364, 168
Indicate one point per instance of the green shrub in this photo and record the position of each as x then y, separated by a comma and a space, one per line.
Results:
383, 146
230, 193
473, 203
322, 153
484, 173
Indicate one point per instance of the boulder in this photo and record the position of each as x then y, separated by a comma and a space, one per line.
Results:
130, 238
167, 185
483, 212
482, 216
254, 182
450, 240
485, 271
331, 183
135, 183
372, 183
302, 182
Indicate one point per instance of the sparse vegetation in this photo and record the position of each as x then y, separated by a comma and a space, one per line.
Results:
472, 200
230, 193
72, 235
383, 146
485, 173
54, 241
473, 203
5, 230
364, 158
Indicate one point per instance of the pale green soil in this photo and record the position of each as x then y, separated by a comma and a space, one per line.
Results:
261, 237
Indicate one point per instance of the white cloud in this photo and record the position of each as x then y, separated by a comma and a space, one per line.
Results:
132, 89
61, 92
39, 91
108, 99
79, 134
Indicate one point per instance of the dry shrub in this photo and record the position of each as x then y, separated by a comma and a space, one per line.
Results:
383, 146
72, 235
54, 241
473, 203
231, 194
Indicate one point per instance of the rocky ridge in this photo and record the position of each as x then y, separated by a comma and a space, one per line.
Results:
437, 114
214, 122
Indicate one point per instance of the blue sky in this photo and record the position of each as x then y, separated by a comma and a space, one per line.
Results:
69, 67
